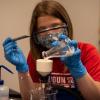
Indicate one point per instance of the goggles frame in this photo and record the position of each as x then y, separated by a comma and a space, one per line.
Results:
64, 26
53, 28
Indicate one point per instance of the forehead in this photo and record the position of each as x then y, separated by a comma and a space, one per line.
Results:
47, 21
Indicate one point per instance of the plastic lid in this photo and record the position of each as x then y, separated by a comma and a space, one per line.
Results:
1, 82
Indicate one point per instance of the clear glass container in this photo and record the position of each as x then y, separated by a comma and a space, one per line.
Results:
45, 92
60, 48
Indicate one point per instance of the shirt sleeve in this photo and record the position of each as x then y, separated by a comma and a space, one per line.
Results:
32, 68
91, 60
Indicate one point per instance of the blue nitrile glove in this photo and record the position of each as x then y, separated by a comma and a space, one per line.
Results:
14, 55
73, 62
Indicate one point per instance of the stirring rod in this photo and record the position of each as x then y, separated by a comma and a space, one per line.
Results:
21, 37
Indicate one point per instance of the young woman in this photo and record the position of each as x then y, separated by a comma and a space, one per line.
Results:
50, 17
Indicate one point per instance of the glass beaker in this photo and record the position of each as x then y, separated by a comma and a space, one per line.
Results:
45, 92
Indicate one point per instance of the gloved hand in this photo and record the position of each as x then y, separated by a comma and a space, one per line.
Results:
72, 59
14, 55
73, 62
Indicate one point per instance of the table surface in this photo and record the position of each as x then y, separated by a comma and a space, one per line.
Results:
14, 94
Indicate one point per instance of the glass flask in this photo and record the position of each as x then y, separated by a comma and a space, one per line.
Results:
60, 47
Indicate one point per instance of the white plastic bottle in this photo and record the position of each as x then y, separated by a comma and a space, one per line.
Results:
4, 91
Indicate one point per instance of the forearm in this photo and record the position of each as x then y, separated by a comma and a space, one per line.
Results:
89, 88
26, 85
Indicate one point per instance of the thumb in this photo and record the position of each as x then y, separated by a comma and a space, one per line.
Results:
73, 43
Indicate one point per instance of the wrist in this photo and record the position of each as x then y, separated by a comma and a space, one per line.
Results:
78, 70
22, 69
23, 75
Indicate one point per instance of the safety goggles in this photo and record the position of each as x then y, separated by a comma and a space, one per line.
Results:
47, 36
51, 29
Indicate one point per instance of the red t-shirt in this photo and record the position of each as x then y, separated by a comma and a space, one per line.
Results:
90, 58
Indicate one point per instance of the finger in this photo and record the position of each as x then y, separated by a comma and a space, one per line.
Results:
10, 46
8, 52
62, 36
73, 43
77, 52
7, 41
55, 43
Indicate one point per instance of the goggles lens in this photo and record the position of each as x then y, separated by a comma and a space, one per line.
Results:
47, 36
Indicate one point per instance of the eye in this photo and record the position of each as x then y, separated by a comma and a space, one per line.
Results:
41, 29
